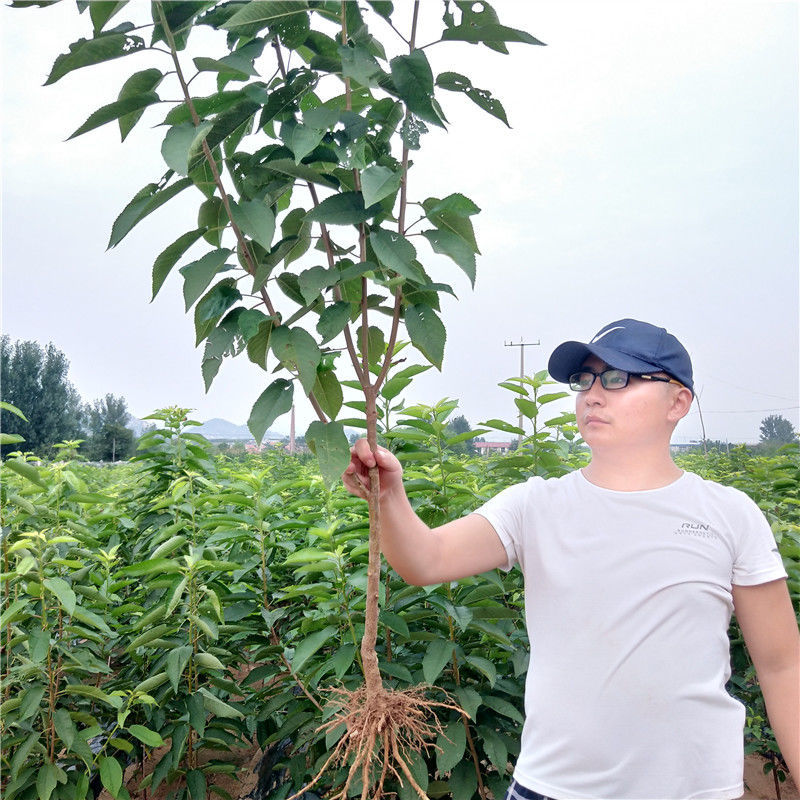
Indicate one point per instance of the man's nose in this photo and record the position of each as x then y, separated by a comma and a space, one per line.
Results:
596, 394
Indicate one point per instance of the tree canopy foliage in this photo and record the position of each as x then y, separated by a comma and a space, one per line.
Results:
776, 429
34, 379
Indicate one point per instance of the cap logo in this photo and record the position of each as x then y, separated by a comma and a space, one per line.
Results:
606, 332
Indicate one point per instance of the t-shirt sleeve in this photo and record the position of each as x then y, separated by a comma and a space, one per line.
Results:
757, 558
506, 513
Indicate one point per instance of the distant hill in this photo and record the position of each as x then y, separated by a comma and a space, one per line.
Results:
222, 430
214, 429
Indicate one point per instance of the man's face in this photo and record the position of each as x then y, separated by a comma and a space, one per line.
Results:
640, 415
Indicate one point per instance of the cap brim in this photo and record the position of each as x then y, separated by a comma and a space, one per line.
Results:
568, 358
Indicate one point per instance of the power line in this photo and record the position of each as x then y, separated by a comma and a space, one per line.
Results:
752, 410
748, 388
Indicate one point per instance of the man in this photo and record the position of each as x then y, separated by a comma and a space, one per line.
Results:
632, 569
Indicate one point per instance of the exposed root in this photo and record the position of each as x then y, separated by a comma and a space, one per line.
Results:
382, 729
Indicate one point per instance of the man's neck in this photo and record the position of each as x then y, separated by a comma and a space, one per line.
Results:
631, 472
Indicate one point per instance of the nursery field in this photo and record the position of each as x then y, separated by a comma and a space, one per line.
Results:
158, 614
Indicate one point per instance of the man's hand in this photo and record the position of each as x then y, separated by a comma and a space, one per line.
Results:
356, 476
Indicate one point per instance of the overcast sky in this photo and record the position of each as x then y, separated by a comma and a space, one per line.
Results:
651, 172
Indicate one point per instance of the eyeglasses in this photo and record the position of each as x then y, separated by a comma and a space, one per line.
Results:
610, 379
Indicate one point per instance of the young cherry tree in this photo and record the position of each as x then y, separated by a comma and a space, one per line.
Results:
313, 160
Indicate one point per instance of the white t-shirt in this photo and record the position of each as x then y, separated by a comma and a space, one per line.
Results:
627, 605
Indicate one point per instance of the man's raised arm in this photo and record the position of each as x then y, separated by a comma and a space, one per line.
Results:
419, 554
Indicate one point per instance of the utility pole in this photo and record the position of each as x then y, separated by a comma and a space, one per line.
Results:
522, 345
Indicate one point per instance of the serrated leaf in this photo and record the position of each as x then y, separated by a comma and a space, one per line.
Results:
379, 182
503, 707
345, 208
312, 281
256, 219
413, 80
310, 645
116, 110
328, 392
494, 747
198, 274
46, 780
488, 34
214, 218
296, 349
208, 661
143, 203
469, 700
196, 782
286, 166
300, 139
454, 82
38, 645
463, 782
65, 727
454, 246
182, 143
328, 442
63, 591
333, 320
107, 46
274, 401
259, 14
438, 654
31, 700
427, 332
101, 12
395, 252
217, 301
170, 256
484, 666
450, 746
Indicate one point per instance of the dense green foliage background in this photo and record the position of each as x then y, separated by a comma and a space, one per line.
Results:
198, 601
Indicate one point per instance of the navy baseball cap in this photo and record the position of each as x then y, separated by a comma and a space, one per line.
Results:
627, 344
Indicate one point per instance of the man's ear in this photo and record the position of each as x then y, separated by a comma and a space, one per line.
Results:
681, 403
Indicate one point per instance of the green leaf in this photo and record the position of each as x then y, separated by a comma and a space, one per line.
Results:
296, 349
359, 64
13, 409
145, 735
527, 407
259, 14
346, 208
394, 622
65, 727
286, 166
31, 701
453, 245
452, 214
333, 320
196, 781
255, 219
111, 774
495, 748
310, 644
427, 332
450, 745
503, 707
328, 392
38, 645
469, 700
153, 682
106, 46
217, 301
500, 425
274, 401
312, 281
413, 80
218, 707
214, 218
438, 654
63, 591
101, 12
144, 203
328, 442
454, 82
177, 659
484, 666
46, 780
26, 470
463, 781
300, 139
197, 712
116, 110
167, 259
198, 274
182, 143
232, 67
488, 34
379, 182
395, 252
208, 661
22, 752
